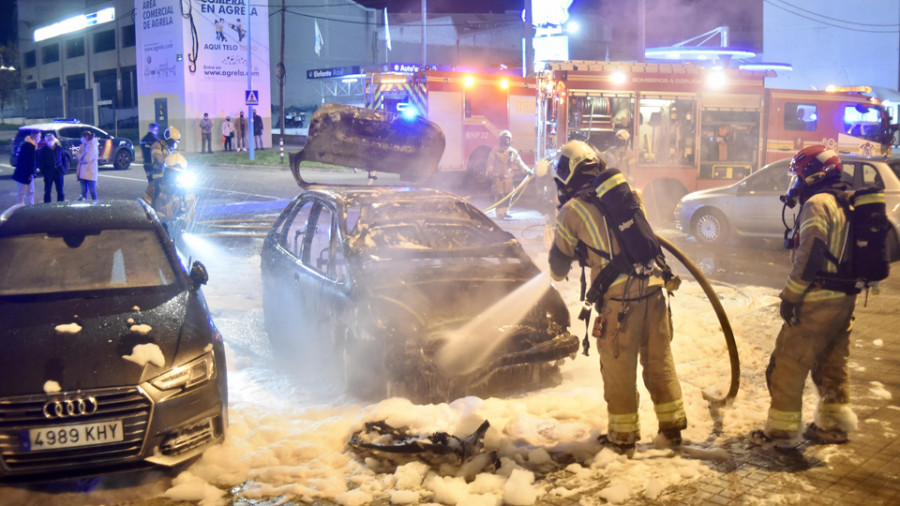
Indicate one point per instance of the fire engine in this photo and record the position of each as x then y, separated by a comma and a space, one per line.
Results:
690, 127
471, 108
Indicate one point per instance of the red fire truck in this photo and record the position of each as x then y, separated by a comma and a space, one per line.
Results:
472, 108
691, 127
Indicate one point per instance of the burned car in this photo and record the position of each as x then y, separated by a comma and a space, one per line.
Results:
380, 279
111, 360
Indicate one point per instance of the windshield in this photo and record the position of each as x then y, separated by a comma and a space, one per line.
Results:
421, 225
79, 261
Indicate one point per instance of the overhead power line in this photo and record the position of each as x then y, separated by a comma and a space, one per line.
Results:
818, 18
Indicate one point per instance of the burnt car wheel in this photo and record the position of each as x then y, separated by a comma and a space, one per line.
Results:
710, 227
123, 159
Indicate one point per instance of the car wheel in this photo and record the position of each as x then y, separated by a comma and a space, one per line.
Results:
123, 159
710, 227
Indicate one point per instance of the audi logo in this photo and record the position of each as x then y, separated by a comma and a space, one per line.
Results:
68, 408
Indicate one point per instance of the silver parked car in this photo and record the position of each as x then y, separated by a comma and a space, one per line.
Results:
752, 208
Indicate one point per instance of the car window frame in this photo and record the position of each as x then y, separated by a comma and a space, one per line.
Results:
312, 254
290, 246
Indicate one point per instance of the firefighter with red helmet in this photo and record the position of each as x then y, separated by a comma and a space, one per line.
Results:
501, 162
815, 336
633, 323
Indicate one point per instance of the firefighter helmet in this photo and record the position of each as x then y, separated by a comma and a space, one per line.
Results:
813, 167
172, 134
505, 133
504, 138
622, 136
576, 165
575, 157
815, 163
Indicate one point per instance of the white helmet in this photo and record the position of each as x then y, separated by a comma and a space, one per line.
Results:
574, 157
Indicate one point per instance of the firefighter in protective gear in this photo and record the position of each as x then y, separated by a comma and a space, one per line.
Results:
633, 323
163, 148
501, 162
619, 156
166, 194
815, 336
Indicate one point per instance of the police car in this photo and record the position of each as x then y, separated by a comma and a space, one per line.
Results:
115, 151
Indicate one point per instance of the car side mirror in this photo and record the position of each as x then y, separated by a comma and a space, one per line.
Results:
198, 274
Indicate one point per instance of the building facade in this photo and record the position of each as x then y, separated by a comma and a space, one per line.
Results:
82, 63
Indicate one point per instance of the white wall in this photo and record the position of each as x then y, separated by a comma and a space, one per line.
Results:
836, 42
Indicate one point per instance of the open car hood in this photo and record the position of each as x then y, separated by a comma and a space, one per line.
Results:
371, 140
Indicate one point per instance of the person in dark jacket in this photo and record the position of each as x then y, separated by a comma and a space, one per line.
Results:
53, 162
147, 143
26, 164
258, 130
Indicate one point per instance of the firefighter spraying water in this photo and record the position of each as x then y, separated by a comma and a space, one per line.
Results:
170, 191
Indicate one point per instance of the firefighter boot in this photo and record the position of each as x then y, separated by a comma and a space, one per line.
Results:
834, 436
625, 448
667, 438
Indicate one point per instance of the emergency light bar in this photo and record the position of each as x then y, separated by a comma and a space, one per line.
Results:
75, 23
866, 90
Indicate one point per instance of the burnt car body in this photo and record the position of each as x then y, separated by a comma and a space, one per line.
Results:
111, 360
378, 278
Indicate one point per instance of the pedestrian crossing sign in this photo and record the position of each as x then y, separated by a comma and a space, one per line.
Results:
251, 97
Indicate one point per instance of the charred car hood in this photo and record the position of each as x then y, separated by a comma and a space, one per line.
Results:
80, 342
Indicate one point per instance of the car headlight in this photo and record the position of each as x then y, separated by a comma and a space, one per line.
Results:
195, 372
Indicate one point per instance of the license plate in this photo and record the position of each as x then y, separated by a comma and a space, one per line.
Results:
71, 436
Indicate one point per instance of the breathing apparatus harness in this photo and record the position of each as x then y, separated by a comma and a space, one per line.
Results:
863, 262
640, 255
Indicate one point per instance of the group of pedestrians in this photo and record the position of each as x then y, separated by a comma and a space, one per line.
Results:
232, 133
49, 156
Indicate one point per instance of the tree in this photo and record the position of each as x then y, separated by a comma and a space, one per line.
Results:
9, 76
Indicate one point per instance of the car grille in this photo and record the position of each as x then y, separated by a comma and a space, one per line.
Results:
18, 414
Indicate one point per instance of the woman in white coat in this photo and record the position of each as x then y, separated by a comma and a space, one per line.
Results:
87, 170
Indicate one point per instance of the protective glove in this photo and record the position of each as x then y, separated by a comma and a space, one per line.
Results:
789, 312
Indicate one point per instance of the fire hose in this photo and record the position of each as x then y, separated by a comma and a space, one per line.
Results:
514, 192
695, 271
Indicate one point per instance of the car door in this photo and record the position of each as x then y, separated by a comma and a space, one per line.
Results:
329, 286
757, 206
326, 285
282, 269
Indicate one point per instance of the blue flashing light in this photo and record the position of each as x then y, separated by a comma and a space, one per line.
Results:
409, 113
766, 66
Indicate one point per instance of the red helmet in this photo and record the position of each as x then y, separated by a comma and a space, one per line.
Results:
810, 167
814, 163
